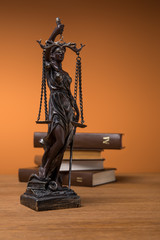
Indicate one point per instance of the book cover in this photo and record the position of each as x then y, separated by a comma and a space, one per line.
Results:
78, 178
77, 164
88, 140
90, 178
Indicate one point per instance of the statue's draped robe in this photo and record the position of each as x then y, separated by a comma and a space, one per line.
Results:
60, 111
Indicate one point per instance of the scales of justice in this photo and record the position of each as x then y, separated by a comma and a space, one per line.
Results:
45, 191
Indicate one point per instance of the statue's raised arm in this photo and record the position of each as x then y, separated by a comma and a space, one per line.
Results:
58, 30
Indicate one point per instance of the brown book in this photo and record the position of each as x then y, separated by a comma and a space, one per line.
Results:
83, 154
90, 178
88, 140
77, 164
78, 178
76, 155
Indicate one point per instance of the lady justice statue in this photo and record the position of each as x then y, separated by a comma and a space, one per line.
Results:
45, 191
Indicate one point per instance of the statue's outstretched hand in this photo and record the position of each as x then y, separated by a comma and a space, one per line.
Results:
76, 116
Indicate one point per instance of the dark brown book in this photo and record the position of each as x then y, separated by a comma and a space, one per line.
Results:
90, 178
88, 140
78, 178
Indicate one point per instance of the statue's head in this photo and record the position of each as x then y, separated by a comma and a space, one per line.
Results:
57, 54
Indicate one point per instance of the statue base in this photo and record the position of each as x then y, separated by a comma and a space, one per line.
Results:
40, 197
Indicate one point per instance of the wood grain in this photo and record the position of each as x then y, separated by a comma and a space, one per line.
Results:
127, 209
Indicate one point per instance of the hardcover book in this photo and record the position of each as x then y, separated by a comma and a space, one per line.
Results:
90, 178
77, 164
88, 140
79, 178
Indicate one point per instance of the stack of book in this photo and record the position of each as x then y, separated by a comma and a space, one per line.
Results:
87, 165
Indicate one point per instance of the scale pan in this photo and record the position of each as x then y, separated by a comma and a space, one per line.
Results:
43, 122
76, 124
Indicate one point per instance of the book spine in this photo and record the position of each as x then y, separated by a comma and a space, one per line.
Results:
88, 140
85, 178
38, 161
78, 179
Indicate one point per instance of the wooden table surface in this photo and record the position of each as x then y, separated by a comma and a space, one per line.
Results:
127, 209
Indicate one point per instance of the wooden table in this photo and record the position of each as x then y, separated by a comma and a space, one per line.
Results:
127, 209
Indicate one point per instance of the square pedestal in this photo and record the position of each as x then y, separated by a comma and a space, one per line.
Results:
50, 202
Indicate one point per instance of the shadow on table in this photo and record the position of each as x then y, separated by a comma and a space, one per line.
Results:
129, 179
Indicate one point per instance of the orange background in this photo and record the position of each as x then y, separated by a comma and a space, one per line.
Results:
120, 75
